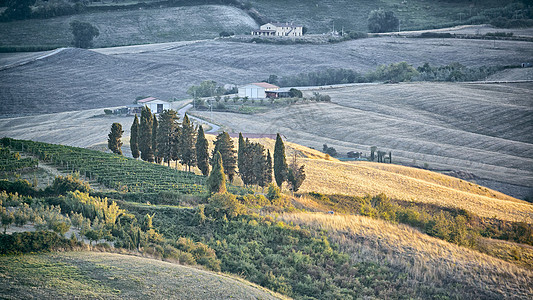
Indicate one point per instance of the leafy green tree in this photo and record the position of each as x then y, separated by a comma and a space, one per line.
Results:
134, 138
224, 145
113, 141
202, 152
216, 182
168, 123
207, 88
295, 93
187, 145
280, 162
296, 175
83, 33
18, 9
145, 135
382, 21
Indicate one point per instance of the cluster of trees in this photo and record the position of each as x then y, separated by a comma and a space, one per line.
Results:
382, 21
26, 9
209, 88
166, 140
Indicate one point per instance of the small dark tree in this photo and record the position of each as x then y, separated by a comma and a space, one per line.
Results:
84, 33
296, 175
372, 152
224, 145
216, 182
168, 123
202, 152
134, 138
295, 93
145, 135
113, 141
382, 21
280, 162
187, 143
155, 125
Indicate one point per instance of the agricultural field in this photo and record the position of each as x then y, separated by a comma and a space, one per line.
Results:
76, 79
116, 276
320, 16
144, 26
482, 129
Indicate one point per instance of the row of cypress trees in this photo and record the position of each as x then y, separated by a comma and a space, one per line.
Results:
166, 140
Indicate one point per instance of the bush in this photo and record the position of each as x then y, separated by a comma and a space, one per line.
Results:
273, 192
64, 184
224, 204
19, 186
38, 241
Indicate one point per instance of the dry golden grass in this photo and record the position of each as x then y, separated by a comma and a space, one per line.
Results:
411, 184
422, 257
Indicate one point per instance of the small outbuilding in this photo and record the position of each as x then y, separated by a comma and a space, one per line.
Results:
256, 90
155, 105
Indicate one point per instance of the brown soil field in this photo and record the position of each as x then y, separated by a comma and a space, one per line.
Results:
422, 258
482, 129
76, 79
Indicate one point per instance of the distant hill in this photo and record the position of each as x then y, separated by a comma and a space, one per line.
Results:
115, 276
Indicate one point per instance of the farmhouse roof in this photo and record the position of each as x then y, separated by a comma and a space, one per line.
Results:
266, 85
147, 100
286, 24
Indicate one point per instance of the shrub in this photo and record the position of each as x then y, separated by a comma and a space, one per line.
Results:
39, 241
273, 192
224, 204
69, 183
19, 186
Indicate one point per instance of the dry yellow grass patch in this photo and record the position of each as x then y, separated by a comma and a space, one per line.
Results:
412, 185
424, 258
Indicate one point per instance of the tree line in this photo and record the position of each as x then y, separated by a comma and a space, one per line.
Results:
165, 139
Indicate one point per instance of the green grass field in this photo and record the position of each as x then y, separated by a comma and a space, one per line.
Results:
113, 276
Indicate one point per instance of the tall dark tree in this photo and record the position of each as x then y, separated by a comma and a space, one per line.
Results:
216, 182
244, 157
268, 170
259, 165
295, 175
202, 152
134, 138
280, 162
168, 123
240, 153
83, 33
187, 145
224, 145
145, 135
113, 141
155, 127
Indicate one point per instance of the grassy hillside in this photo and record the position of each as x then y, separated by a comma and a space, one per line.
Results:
76, 79
130, 27
478, 128
420, 257
320, 15
115, 276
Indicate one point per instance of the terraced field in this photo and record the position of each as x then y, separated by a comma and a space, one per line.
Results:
74, 275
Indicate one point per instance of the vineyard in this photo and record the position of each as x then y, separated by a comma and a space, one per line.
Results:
113, 171
11, 161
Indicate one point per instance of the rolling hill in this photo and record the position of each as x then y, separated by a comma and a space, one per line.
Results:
76, 79
115, 276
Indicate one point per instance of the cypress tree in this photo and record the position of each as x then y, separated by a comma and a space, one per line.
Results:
155, 125
259, 164
280, 162
240, 154
268, 170
202, 152
145, 135
224, 145
134, 138
113, 142
168, 123
216, 182
187, 143
245, 162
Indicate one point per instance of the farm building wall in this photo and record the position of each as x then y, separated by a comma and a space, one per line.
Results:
252, 92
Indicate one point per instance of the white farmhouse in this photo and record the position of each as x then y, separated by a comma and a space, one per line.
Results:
279, 29
155, 105
256, 90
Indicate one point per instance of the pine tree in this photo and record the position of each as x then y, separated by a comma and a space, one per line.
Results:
134, 138
113, 142
187, 143
155, 124
145, 135
216, 182
168, 123
280, 163
295, 175
224, 145
202, 152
